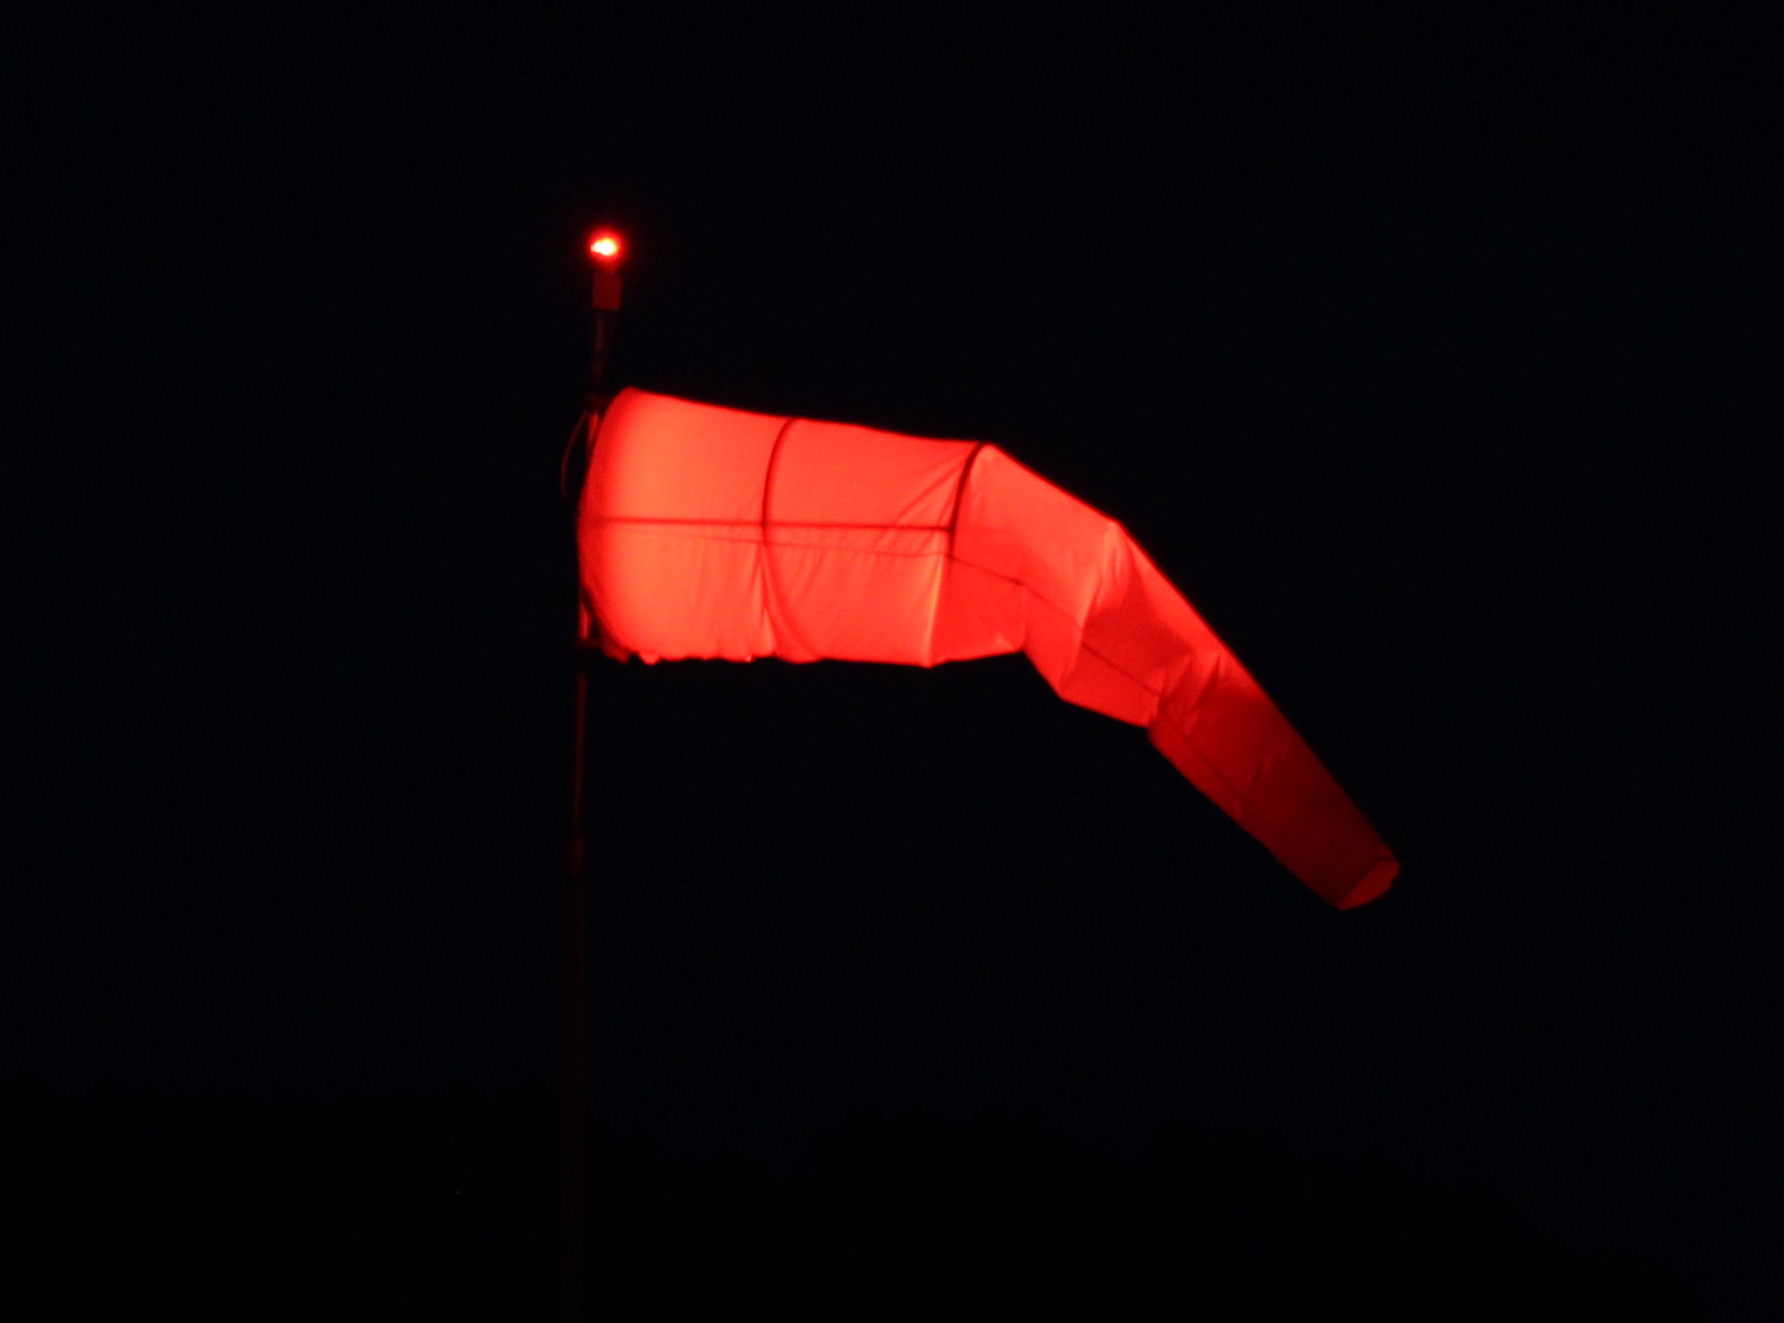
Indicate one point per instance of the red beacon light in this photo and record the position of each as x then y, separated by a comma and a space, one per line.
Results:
604, 247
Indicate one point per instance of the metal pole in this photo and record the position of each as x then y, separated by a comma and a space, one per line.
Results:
574, 1211
605, 250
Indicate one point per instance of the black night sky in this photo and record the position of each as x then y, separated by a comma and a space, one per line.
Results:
1422, 359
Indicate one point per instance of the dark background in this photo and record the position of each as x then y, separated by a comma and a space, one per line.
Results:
1422, 359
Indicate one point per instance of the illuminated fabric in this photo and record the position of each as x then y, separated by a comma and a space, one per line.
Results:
709, 532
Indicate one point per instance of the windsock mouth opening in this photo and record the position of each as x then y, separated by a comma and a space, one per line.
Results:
1374, 883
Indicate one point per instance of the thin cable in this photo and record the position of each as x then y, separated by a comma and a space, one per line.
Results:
569, 446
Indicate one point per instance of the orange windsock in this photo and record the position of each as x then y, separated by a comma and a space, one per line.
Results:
715, 533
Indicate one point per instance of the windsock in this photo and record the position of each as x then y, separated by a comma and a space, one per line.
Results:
715, 533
